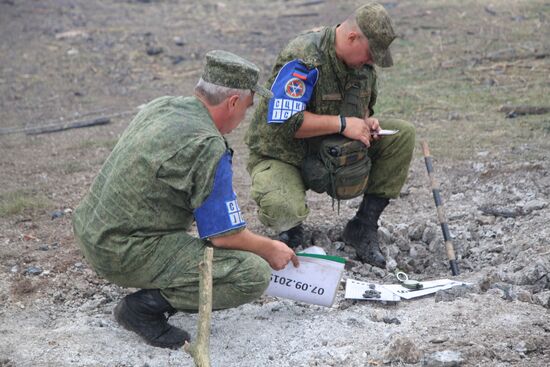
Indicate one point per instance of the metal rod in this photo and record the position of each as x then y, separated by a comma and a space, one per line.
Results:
440, 210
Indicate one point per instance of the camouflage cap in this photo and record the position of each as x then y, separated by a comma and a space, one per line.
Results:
229, 70
375, 23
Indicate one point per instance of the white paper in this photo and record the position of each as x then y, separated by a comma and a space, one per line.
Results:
355, 290
315, 281
394, 292
383, 132
429, 287
313, 250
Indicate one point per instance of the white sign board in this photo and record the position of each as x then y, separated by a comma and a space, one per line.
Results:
428, 287
356, 289
315, 281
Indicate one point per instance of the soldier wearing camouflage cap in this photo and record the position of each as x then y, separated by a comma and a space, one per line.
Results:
325, 85
170, 168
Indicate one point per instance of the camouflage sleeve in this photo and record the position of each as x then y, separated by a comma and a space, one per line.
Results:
192, 169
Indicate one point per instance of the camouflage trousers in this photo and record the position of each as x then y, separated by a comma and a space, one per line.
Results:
279, 191
173, 267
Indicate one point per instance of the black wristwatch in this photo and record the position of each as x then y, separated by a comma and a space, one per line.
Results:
342, 124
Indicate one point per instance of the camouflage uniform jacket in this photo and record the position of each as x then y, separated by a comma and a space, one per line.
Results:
161, 169
336, 81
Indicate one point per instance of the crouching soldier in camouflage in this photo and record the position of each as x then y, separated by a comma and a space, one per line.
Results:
318, 131
172, 166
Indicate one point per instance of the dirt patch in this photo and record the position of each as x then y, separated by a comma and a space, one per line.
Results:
457, 64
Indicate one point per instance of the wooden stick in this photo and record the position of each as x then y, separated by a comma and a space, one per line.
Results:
71, 125
60, 126
525, 110
199, 349
440, 210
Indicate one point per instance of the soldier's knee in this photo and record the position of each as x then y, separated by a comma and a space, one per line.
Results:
405, 139
408, 129
254, 277
280, 211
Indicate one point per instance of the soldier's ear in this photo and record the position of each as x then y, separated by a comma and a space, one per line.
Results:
232, 101
353, 36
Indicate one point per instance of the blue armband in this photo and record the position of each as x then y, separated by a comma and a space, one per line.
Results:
292, 90
220, 212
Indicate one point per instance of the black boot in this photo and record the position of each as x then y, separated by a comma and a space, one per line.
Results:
294, 237
143, 313
361, 232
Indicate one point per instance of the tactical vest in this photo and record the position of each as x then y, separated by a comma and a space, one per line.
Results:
335, 164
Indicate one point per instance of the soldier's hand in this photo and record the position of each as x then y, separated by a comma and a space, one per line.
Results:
358, 129
374, 126
280, 255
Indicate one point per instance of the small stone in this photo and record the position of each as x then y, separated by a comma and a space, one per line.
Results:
177, 59
486, 219
525, 346
453, 116
276, 308
320, 238
57, 214
384, 235
446, 358
403, 244
401, 229
418, 252
391, 251
378, 272
335, 233
524, 296
33, 270
429, 234
497, 293
377, 316
415, 233
179, 41
437, 245
391, 264
509, 293
14, 269
404, 350
534, 205
352, 264
43, 247
154, 50
338, 245
391, 320
497, 249
478, 167
542, 298
439, 339
448, 295
487, 281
